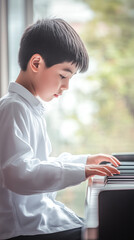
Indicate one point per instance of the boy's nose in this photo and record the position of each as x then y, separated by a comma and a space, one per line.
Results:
65, 86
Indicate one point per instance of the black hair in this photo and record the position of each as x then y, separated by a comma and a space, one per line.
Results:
56, 41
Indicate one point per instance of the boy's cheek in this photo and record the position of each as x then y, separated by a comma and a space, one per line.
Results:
55, 85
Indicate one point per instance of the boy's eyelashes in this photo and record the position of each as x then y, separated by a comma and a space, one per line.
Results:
62, 77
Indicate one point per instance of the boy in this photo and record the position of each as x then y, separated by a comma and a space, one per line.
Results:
51, 52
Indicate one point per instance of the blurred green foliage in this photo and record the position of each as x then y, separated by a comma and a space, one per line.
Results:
109, 37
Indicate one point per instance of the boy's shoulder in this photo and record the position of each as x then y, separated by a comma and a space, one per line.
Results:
11, 102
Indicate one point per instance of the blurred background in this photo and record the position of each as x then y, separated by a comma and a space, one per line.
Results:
96, 115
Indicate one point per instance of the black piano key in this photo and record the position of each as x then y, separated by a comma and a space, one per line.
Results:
129, 167
126, 171
123, 178
120, 177
127, 164
125, 174
121, 182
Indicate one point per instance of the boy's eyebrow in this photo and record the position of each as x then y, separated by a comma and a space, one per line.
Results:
68, 70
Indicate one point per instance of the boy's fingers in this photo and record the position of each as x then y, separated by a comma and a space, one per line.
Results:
103, 168
112, 169
113, 160
106, 168
93, 171
116, 160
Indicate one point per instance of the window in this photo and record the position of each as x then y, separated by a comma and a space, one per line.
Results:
16, 25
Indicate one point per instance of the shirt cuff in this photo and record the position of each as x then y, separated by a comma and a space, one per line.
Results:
73, 174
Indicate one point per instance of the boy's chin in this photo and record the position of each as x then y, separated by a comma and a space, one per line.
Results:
48, 99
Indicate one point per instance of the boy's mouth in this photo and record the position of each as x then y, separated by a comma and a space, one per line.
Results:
57, 95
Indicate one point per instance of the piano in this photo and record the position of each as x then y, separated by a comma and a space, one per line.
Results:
109, 207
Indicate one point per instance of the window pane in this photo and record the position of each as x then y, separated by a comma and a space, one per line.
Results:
16, 24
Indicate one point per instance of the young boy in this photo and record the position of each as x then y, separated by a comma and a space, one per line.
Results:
51, 52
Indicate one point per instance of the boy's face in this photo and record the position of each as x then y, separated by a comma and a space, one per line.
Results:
51, 82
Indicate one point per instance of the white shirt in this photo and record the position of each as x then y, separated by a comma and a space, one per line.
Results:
29, 178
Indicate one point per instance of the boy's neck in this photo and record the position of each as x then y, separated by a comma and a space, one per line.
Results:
24, 80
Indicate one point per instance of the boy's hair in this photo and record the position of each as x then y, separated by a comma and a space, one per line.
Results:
56, 41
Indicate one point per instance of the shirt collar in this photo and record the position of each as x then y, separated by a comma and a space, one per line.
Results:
28, 96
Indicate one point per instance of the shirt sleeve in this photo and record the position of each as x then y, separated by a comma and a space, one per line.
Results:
21, 171
69, 158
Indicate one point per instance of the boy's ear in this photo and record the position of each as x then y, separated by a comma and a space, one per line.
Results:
35, 62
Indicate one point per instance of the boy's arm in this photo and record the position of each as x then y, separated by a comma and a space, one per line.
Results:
92, 162
23, 173
87, 159
69, 158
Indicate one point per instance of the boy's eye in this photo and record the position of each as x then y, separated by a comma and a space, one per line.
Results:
62, 76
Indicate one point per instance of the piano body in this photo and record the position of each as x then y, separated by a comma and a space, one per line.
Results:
109, 211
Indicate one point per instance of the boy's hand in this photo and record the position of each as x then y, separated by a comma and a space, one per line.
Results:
93, 167
98, 158
101, 170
